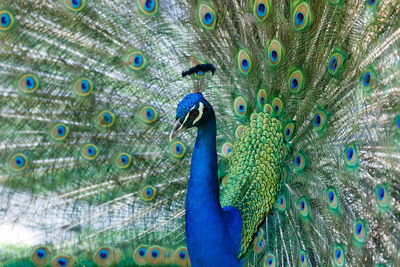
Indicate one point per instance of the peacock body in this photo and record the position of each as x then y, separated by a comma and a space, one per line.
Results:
297, 147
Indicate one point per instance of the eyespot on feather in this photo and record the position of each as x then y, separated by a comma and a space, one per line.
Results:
259, 246
270, 260
104, 256
383, 196
304, 207
301, 17
360, 231
169, 259
244, 61
262, 9
261, 97
82, 87
148, 115
74, 5
336, 62
303, 259
181, 257
177, 149
268, 109
59, 132
226, 149
281, 202
240, 106
285, 173
18, 162
372, 4
296, 81
224, 180
6, 20
332, 199
339, 255
89, 151
28, 83
123, 160
239, 131
155, 255
105, 119
320, 120
277, 106
288, 131
275, 52
40, 256
285, 150
62, 261
258, 235
207, 15
351, 156
148, 193
148, 7
139, 256
135, 60
368, 79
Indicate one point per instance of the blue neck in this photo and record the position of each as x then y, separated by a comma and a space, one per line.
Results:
213, 234
204, 171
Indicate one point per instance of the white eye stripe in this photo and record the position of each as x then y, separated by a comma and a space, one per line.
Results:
201, 107
187, 116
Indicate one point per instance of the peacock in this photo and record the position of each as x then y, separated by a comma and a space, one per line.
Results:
199, 133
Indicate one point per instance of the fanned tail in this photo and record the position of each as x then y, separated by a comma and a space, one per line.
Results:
88, 97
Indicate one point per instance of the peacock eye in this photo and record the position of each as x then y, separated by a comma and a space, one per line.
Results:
194, 114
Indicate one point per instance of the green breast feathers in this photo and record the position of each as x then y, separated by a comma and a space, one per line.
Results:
255, 173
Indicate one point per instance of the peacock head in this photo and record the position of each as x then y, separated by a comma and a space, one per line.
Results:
192, 111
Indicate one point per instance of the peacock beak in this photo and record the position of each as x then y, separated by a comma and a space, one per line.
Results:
178, 127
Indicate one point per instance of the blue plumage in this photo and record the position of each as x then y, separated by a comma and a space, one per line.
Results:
213, 234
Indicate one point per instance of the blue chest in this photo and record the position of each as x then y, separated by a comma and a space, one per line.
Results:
213, 234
